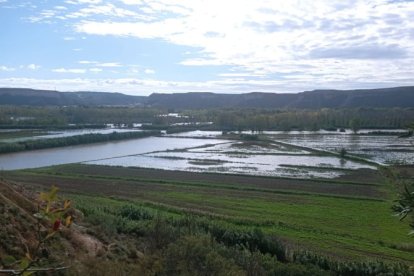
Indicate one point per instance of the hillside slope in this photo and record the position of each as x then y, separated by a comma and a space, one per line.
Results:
387, 98
23, 96
18, 234
402, 97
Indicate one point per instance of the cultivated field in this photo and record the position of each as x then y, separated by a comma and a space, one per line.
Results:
348, 217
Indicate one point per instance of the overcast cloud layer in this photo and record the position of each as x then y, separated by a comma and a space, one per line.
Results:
140, 47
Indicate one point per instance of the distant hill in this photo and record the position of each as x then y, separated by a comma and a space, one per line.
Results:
385, 97
23, 96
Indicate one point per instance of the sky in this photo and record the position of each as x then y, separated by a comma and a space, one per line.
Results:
139, 47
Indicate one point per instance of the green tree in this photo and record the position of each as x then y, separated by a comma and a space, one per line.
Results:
355, 125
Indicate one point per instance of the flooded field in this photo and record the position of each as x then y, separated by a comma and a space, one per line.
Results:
280, 154
81, 153
249, 148
262, 158
264, 165
384, 149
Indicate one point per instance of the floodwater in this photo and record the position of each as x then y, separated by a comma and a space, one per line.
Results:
250, 148
267, 165
382, 149
235, 157
378, 148
286, 156
217, 166
75, 154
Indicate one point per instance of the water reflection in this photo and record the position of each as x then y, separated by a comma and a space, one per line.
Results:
73, 154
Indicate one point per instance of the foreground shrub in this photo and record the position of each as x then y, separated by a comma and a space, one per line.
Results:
352, 268
198, 255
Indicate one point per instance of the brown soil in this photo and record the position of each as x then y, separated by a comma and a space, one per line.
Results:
18, 230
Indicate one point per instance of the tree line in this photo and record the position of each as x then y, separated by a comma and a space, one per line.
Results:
58, 116
223, 119
330, 119
72, 140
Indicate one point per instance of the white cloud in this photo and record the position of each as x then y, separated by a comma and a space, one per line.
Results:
99, 64
68, 38
71, 71
105, 10
109, 64
269, 45
60, 8
202, 62
33, 66
275, 38
6, 68
87, 62
245, 74
78, 2
45, 16
132, 2
95, 70
84, 9
149, 71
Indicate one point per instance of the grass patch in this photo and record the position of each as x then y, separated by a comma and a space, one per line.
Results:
356, 227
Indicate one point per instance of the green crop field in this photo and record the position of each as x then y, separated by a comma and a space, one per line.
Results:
348, 219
